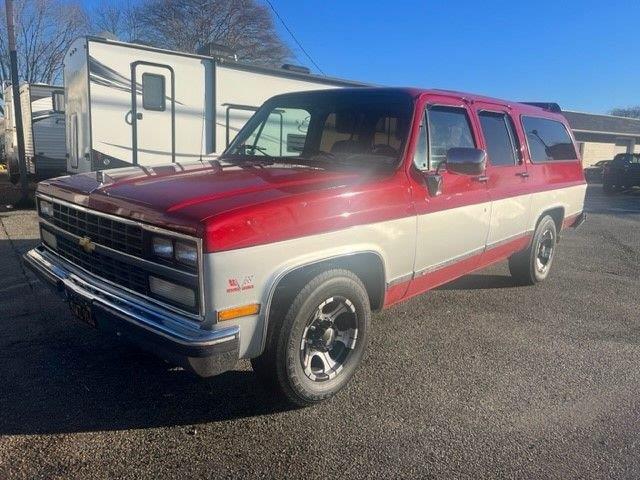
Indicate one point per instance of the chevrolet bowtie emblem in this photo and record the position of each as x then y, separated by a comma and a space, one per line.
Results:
87, 245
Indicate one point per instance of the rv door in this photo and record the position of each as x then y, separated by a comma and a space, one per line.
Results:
152, 113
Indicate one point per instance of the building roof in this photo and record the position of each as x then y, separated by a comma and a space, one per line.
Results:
603, 124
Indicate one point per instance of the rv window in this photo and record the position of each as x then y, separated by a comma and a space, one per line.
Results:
153, 92
57, 99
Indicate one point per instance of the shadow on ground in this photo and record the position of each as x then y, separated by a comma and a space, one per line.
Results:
80, 383
480, 282
58, 375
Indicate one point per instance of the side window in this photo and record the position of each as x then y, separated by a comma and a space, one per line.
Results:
548, 140
449, 127
498, 135
420, 155
153, 94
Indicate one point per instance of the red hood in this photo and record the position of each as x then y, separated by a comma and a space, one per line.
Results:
186, 197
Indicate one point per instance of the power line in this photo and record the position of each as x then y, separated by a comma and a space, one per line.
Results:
294, 38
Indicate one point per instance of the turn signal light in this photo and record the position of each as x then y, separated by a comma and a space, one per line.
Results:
236, 312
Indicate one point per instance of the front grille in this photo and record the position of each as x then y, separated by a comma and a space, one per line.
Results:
104, 231
108, 268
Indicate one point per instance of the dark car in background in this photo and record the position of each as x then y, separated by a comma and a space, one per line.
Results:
622, 172
593, 173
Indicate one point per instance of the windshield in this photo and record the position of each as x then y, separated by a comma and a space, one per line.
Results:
333, 128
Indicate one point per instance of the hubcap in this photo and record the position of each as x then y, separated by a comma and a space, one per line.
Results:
329, 339
546, 244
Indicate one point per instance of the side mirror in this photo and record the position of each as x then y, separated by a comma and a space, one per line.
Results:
467, 161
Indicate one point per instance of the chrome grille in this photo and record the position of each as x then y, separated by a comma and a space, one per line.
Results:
108, 268
102, 230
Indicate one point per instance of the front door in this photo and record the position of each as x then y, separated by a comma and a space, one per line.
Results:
453, 226
507, 178
152, 114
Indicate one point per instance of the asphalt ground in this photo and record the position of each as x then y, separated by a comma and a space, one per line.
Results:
477, 379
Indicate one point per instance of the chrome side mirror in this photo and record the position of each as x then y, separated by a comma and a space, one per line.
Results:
466, 161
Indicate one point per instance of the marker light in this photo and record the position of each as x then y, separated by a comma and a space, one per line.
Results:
236, 312
48, 238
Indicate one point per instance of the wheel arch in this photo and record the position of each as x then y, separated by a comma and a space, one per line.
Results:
368, 265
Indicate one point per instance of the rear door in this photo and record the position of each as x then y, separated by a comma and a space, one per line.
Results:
153, 113
507, 176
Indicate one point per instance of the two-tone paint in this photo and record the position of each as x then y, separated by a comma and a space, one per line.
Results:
259, 225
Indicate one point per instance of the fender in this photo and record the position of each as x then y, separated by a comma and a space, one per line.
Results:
271, 289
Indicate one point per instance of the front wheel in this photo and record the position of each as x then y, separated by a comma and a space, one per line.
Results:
532, 265
313, 351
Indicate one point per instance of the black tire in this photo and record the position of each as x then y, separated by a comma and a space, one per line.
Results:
533, 265
281, 364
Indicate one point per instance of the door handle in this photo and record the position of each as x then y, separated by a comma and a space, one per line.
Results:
482, 178
139, 116
523, 174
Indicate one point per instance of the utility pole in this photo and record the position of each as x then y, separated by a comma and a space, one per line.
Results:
25, 201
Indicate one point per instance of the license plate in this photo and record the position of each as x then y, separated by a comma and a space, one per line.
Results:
81, 308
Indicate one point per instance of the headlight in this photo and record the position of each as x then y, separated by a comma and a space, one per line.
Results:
186, 253
171, 291
163, 247
45, 208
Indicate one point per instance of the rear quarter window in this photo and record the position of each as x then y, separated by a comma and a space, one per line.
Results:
548, 140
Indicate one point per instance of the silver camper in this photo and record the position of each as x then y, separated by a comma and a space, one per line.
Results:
134, 104
44, 130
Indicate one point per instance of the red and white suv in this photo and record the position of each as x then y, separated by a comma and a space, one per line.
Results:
326, 206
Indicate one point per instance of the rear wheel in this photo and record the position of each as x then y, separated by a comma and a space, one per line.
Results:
532, 265
313, 351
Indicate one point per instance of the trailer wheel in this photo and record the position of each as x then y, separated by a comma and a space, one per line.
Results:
532, 265
313, 351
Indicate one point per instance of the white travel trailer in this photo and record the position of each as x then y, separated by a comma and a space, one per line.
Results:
43, 125
134, 104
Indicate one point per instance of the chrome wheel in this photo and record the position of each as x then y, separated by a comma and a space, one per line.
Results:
544, 251
329, 339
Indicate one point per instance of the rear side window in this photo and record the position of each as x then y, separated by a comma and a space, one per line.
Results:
498, 136
548, 140
153, 92
449, 127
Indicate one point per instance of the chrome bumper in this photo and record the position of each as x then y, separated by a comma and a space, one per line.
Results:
180, 340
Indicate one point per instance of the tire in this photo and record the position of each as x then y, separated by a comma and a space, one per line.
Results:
533, 265
308, 358
607, 187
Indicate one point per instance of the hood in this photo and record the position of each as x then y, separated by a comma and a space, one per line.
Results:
183, 197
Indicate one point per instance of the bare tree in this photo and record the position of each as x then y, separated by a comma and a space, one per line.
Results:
245, 26
122, 21
632, 112
44, 31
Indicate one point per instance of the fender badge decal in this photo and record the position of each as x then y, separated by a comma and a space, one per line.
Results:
234, 285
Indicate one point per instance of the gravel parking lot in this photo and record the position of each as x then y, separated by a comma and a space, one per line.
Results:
476, 379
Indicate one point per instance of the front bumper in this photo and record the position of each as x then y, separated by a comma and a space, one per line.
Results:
206, 352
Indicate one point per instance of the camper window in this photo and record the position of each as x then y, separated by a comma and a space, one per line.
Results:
153, 92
